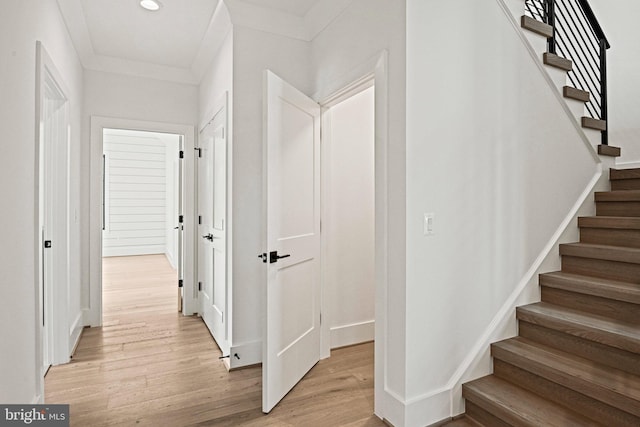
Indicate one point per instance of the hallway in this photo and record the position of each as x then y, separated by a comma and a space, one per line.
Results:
148, 365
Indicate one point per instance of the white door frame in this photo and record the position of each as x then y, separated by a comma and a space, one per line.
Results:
356, 87
52, 132
93, 314
377, 70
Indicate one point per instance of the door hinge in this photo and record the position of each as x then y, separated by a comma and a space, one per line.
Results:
199, 150
180, 283
181, 154
199, 286
47, 244
181, 219
321, 318
199, 219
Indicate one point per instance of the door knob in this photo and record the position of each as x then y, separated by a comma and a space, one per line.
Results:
274, 257
209, 237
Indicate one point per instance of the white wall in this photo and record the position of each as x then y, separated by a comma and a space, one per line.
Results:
492, 152
348, 222
134, 98
623, 62
140, 193
23, 23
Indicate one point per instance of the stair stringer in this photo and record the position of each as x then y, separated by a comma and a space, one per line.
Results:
504, 324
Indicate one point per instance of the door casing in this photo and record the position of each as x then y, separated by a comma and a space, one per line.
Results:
93, 314
53, 333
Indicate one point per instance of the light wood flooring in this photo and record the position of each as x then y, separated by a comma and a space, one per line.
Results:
150, 366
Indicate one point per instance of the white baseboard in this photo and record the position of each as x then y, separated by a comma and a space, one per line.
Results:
356, 333
171, 259
89, 318
75, 332
627, 165
132, 250
419, 411
247, 354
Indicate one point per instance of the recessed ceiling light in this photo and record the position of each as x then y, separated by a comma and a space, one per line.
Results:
151, 5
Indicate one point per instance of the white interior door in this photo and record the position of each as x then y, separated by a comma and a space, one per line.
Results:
291, 341
212, 202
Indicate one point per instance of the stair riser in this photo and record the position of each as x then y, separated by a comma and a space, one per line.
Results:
625, 184
483, 417
622, 271
618, 208
604, 354
592, 304
578, 402
613, 237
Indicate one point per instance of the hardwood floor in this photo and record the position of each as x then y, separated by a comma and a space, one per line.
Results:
150, 366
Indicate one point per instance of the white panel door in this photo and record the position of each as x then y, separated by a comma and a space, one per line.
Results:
212, 197
291, 342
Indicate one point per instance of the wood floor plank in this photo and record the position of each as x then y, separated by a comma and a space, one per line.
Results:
150, 366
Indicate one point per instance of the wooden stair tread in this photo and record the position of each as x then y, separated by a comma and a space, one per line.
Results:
608, 150
591, 123
618, 174
577, 94
602, 252
611, 289
557, 61
618, 222
611, 386
518, 406
536, 26
615, 333
618, 196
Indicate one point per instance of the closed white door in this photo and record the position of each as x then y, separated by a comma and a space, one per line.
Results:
212, 202
291, 341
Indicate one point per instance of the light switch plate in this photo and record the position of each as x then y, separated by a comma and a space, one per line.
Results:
428, 224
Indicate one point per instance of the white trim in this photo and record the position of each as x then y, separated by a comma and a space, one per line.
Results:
626, 165
378, 66
352, 89
499, 327
57, 305
250, 353
75, 332
98, 124
356, 333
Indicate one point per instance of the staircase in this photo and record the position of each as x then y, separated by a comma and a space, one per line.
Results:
576, 361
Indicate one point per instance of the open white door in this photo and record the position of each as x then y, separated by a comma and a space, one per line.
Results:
212, 208
291, 340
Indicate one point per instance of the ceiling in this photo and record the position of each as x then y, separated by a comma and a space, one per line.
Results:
119, 36
295, 7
